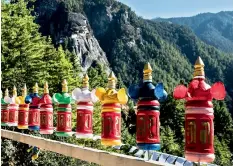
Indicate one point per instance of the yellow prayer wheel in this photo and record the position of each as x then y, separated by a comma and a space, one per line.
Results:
111, 101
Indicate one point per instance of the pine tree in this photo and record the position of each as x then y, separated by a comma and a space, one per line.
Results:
168, 142
172, 115
27, 57
222, 153
98, 77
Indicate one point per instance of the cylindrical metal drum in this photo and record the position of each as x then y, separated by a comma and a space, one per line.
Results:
199, 131
34, 118
23, 116
64, 127
148, 125
84, 120
4, 114
13, 114
46, 119
111, 124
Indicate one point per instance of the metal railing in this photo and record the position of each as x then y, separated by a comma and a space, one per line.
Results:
87, 154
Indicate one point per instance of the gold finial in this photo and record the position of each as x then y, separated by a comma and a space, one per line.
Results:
46, 87
199, 68
14, 91
35, 88
6, 92
24, 91
85, 81
147, 76
112, 80
64, 86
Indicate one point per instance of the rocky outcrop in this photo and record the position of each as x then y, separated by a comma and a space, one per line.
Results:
72, 30
100, 19
84, 44
90, 31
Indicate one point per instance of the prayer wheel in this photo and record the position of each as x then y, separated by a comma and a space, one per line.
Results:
199, 126
111, 101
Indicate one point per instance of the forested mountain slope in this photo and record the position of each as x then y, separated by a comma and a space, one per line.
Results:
129, 41
109, 33
215, 29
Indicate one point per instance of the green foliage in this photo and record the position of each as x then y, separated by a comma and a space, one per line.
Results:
73, 5
222, 152
223, 125
27, 57
172, 116
7, 152
129, 42
97, 76
168, 142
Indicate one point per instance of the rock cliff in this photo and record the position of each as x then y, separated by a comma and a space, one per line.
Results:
72, 30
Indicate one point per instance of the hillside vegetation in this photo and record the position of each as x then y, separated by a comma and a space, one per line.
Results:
215, 29
30, 56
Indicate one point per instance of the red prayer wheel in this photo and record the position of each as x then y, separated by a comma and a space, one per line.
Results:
111, 123
34, 109
23, 116
46, 119
148, 97
4, 114
199, 126
111, 101
84, 119
64, 116
46, 112
13, 114
34, 117
148, 122
64, 127
199, 131
84, 99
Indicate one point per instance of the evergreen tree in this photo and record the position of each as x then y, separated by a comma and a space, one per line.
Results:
172, 116
98, 77
168, 142
27, 57
222, 153
223, 129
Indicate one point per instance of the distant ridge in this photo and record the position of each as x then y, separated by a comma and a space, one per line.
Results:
215, 29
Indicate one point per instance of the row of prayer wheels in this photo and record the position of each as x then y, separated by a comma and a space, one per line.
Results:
28, 112
36, 113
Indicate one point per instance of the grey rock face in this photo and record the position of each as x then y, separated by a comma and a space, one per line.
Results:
85, 45
72, 29
100, 19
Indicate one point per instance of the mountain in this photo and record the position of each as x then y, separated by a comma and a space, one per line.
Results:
72, 30
213, 29
129, 41
107, 33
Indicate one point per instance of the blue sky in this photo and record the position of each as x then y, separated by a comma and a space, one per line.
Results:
177, 8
